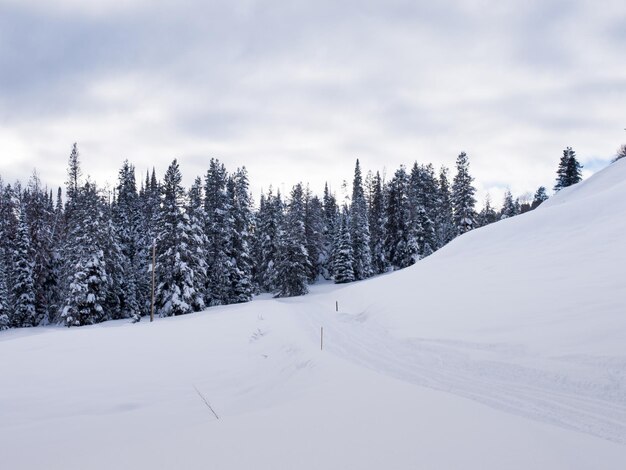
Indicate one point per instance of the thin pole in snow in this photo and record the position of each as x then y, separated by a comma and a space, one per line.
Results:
153, 266
336, 305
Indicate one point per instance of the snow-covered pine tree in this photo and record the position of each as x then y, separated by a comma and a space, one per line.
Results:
73, 182
359, 228
508, 206
422, 199
331, 224
269, 222
198, 244
400, 243
569, 171
4, 298
38, 206
343, 256
540, 196
149, 209
463, 201
293, 261
218, 229
487, 215
242, 287
314, 231
175, 292
88, 281
23, 287
124, 247
444, 221
377, 226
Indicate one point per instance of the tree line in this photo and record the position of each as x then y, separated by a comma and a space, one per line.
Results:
87, 257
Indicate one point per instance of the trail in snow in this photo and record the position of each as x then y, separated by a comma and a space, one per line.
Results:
577, 393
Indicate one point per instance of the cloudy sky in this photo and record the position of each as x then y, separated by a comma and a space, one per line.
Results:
297, 90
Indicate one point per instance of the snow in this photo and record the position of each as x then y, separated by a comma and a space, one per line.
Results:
505, 349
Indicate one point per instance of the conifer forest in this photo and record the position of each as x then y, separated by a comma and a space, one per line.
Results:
81, 255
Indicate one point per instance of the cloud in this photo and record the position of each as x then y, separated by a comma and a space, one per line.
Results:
298, 90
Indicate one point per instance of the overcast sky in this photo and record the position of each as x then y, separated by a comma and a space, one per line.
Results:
297, 90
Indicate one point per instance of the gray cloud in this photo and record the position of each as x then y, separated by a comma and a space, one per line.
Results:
298, 90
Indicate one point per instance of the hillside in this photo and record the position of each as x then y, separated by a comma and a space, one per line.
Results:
505, 349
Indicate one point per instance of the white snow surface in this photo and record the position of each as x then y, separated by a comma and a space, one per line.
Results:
504, 350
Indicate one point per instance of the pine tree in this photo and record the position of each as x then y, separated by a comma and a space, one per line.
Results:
344, 257
314, 232
88, 282
540, 196
401, 244
269, 221
4, 299
242, 287
124, 247
377, 226
23, 288
488, 214
175, 278
331, 224
359, 228
218, 229
444, 220
508, 206
422, 203
39, 211
293, 261
569, 171
198, 244
463, 200
149, 208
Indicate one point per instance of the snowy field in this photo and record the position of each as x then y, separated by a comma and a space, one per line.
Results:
504, 350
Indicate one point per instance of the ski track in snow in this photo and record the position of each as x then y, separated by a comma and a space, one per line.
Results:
504, 378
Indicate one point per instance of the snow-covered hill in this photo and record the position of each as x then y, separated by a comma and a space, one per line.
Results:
505, 349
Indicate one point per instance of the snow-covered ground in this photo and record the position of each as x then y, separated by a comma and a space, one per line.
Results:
505, 349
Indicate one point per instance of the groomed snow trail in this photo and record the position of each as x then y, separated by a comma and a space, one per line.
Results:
578, 393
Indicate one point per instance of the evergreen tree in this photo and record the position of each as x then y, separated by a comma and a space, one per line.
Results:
4, 299
377, 226
359, 228
569, 171
508, 206
242, 287
621, 153
331, 224
125, 247
540, 196
39, 210
72, 185
293, 262
269, 221
314, 232
88, 282
149, 209
422, 203
488, 214
463, 200
401, 244
444, 220
344, 257
198, 243
23, 289
175, 292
